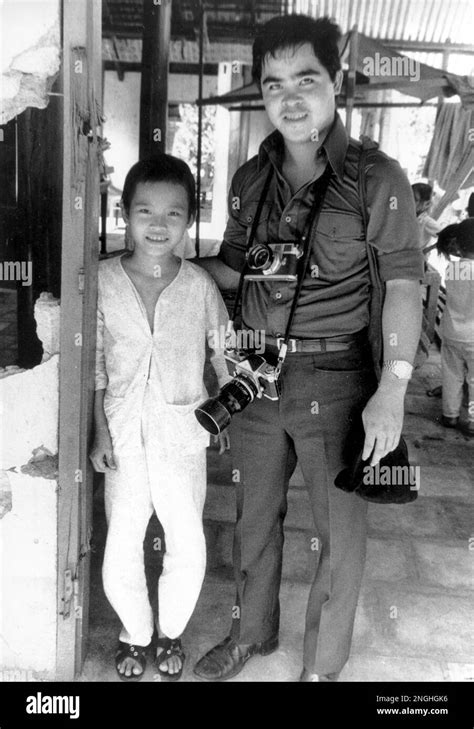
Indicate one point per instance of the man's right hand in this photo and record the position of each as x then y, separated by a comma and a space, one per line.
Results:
102, 454
225, 277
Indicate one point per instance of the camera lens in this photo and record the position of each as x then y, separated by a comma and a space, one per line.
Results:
215, 414
260, 257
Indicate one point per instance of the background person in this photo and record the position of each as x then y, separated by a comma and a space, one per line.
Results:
428, 226
457, 324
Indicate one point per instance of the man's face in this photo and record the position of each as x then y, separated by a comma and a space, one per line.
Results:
298, 93
158, 217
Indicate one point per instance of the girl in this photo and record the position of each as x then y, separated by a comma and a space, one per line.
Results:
155, 312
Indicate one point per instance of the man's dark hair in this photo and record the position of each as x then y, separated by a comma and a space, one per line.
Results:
161, 168
293, 31
423, 191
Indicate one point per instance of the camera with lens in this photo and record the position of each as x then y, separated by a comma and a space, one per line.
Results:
273, 262
253, 377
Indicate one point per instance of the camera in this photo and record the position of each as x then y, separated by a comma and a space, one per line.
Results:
273, 262
253, 377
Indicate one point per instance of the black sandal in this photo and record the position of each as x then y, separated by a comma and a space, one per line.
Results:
171, 647
137, 653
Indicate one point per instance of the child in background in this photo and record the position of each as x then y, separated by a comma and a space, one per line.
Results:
457, 324
429, 227
155, 313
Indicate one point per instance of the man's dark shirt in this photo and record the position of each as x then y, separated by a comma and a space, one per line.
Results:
335, 296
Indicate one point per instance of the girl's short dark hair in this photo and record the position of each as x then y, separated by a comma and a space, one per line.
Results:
292, 31
160, 168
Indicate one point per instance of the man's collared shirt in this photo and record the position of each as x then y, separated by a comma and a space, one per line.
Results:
335, 296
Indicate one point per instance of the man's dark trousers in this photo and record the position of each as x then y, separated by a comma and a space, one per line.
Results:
321, 394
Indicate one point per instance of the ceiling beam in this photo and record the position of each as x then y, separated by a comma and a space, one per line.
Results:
219, 33
191, 69
428, 47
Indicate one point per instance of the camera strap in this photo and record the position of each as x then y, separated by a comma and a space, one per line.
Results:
321, 186
251, 238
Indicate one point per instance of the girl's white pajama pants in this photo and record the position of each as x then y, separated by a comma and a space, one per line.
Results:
174, 485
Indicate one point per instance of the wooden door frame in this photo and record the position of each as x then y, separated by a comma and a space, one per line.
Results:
81, 73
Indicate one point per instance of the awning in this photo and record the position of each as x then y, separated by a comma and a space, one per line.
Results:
377, 68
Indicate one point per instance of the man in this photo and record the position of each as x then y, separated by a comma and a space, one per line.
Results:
328, 375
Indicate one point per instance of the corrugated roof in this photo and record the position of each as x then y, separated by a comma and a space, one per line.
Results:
427, 21
424, 21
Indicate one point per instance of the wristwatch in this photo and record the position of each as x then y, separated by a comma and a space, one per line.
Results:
398, 367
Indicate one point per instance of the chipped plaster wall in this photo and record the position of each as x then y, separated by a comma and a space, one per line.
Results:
28, 505
29, 54
28, 543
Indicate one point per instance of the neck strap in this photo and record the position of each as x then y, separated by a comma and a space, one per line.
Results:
321, 186
251, 238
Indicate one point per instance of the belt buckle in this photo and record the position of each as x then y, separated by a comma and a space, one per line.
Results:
291, 344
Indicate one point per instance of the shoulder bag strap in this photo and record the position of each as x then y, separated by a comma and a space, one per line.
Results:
367, 155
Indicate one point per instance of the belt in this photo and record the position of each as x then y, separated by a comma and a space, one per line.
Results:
324, 344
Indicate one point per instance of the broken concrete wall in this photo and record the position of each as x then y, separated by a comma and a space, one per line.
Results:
29, 402
30, 54
29, 412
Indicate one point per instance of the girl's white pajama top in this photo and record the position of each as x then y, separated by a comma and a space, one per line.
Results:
153, 382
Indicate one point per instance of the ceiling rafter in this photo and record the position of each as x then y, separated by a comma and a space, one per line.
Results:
430, 23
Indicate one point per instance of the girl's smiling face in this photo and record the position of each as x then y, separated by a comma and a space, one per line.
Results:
158, 217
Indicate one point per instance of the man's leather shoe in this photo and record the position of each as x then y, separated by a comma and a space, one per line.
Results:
449, 422
468, 429
228, 658
307, 677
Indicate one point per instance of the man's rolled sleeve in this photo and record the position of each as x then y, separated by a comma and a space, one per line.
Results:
392, 226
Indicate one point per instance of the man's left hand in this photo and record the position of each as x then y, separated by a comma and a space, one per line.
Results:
383, 421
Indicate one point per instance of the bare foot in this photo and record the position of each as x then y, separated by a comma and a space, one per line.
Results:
129, 667
130, 661
169, 663
172, 664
